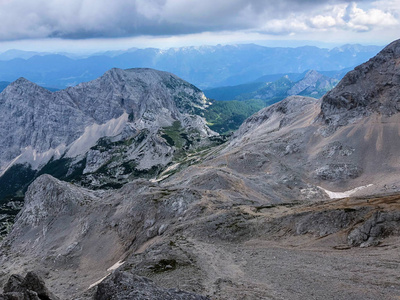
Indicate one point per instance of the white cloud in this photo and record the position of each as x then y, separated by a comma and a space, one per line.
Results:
320, 21
365, 20
335, 18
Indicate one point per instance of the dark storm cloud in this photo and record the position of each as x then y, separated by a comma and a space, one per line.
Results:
77, 19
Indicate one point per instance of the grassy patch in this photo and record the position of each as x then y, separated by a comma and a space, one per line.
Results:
60, 168
227, 116
164, 265
173, 135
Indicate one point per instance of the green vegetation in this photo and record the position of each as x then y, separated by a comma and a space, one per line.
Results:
164, 265
269, 90
105, 144
176, 136
60, 168
15, 181
226, 116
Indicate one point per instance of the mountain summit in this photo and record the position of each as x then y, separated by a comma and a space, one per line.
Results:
138, 106
369, 88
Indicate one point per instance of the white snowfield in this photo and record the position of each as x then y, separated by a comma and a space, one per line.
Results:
109, 270
338, 195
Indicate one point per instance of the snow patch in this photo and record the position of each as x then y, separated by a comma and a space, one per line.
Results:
338, 195
109, 270
97, 282
115, 266
94, 132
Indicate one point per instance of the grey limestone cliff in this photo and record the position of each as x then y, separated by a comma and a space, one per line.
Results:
123, 111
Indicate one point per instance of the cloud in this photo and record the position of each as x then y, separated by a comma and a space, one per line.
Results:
336, 17
362, 20
80, 19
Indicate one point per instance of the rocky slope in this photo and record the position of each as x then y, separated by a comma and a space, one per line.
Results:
249, 219
346, 140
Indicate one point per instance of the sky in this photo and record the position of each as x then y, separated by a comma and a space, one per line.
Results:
99, 25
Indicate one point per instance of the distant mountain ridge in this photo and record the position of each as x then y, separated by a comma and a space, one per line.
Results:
205, 66
310, 83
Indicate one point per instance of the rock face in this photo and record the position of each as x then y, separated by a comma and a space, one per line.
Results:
123, 285
103, 226
127, 111
370, 88
31, 287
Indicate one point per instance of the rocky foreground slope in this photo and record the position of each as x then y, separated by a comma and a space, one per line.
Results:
252, 219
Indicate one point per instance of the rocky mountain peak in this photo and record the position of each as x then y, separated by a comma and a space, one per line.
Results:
148, 114
312, 80
370, 87
141, 92
22, 86
21, 81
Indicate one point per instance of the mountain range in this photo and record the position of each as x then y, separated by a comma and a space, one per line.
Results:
310, 83
205, 66
301, 201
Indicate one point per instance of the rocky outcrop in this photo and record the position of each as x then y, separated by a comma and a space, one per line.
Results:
377, 227
32, 287
313, 84
103, 226
370, 88
124, 285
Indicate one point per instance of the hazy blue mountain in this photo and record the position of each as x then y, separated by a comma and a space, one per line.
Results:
291, 76
13, 53
226, 93
205, 66
233, 104
310, 83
